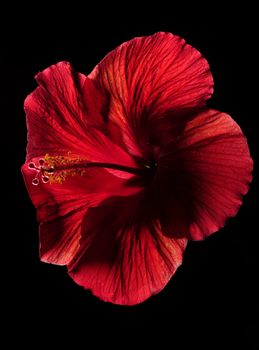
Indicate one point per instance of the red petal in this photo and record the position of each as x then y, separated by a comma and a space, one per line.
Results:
123, 259
97, 103
62, 208
202, 176
150, 77
58, 119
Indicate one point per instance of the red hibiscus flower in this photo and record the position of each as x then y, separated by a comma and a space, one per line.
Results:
127, 164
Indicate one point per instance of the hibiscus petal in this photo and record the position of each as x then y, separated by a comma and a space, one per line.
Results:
59, 120
202, 176
122, 258
149, 77
62, 208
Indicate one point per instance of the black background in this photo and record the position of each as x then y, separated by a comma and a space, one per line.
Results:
213, 298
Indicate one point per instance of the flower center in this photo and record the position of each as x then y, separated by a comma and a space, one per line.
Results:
55, 169
151, 169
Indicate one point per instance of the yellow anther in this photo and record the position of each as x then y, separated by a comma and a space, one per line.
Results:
59, 168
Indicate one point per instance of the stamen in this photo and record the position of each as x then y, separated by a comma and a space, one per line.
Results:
50, 170
56, 169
